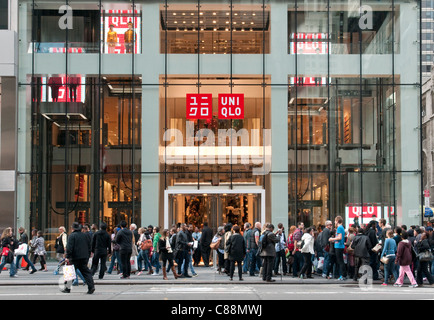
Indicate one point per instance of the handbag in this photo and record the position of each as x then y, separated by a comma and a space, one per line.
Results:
377, 248
146, 245
425, 256
384, 259
69, 273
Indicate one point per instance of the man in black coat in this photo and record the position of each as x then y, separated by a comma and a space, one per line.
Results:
236, 246
101, 247
78, 252
124, 238
205, 242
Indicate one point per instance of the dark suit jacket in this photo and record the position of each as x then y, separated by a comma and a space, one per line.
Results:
237, 249
101, 242
206, 238
78, 246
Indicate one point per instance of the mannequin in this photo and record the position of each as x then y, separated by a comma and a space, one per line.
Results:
129, 38
74, 82
112, 39
55, 83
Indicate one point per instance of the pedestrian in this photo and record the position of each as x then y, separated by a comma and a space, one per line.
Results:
24, 239
307, 250
298, 257
228, 233
389, 251
423, 247
405, 258
372, 235
124, 238
115, 258
191, 249
166, 254
197, 253
217, 244
339, 244
205, 242
236, 247
8, 244
325, 245
60, 247
350, 251
268, 252
78, 252
155, 254
39, 244
143, 259
290, 246
246, 234
362, 246
101, 248
182, 248
280, 251
253, 240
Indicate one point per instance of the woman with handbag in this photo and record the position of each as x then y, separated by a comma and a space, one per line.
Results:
350, 252
39, 245
425, 257
166, 254
237, 251
217, 244
7, 253
307, 250
388, 256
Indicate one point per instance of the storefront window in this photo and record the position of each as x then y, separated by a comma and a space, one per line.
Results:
213, 28
4, 14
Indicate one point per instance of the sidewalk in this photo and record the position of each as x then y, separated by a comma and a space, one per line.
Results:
205, 276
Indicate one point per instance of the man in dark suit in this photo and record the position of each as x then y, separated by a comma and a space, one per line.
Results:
78, 252
205, 242
124, 238
101, 247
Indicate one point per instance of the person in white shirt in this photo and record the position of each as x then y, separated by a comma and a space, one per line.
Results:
307, 251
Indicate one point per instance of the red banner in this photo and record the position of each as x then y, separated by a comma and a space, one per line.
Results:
199, 106
231, 106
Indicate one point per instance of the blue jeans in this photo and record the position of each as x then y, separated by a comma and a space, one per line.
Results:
389, 269
115, 257
255, 261
190, 264
12, 270
156, 261
26, 259
246, 263
79, 275
143, 256
326, 267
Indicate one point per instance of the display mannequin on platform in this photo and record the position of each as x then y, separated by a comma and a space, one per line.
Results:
129, 38
74, 82
55, 83
112, 39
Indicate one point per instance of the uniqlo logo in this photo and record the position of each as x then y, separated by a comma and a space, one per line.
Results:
231, 106
199, 106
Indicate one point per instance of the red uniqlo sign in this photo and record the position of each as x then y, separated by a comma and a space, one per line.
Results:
199, 106
231, 106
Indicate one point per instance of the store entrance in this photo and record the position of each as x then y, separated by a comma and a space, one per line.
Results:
216, 209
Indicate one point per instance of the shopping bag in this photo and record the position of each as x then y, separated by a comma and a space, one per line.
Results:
23, 263
133, 261
21, 250
320, 263
89, 263
69, 273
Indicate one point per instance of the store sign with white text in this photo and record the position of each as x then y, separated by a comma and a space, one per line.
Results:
230, 106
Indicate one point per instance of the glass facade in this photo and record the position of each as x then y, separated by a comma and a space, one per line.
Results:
159, 112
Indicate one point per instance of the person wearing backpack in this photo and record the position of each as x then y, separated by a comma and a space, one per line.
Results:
268, 242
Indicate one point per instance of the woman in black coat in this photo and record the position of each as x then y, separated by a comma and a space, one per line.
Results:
236, 248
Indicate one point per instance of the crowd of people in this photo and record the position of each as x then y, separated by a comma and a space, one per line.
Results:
327, 251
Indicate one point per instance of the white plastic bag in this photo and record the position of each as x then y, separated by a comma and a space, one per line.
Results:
21, 250
69, 273
133, 261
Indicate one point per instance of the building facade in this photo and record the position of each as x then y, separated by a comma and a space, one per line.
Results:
8, 110
161, 112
